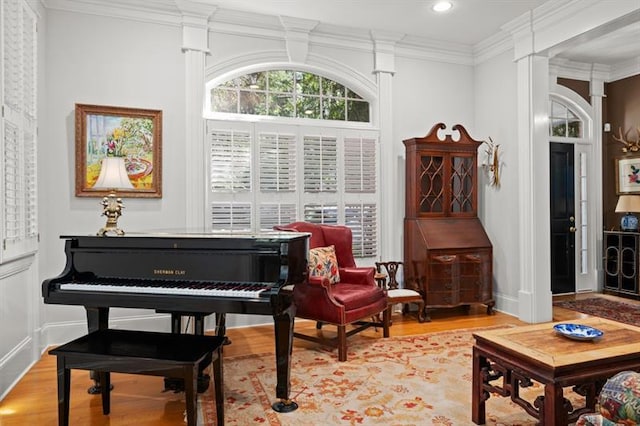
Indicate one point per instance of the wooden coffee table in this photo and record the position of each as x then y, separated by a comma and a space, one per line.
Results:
513, 357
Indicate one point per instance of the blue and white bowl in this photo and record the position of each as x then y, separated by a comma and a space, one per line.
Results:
578, 331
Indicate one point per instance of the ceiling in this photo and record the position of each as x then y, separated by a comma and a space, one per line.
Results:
469, 22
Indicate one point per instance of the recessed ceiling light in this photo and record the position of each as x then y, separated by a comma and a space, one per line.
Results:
442, 6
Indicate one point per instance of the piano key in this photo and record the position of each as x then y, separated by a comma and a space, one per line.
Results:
242, 290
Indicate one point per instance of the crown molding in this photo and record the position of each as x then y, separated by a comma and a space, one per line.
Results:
136, 10
625, 69
435, 50
566, 68
492, 46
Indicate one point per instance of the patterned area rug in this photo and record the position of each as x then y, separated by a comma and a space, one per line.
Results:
411, 380
605, 308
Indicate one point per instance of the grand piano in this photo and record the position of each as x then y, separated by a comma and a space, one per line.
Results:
188, 274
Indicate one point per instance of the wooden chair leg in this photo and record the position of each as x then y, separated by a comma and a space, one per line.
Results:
386, 321
342, 343
421, 312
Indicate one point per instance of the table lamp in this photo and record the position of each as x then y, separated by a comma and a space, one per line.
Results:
628, 204
113, 176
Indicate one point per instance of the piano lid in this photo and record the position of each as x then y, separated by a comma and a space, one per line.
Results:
201, 234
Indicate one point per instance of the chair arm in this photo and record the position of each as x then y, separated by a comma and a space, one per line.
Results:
358, 275
314, 299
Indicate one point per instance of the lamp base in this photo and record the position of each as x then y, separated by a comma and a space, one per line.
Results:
629, 222
112, 209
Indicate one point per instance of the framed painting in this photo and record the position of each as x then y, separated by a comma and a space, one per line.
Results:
628, 175
131, 133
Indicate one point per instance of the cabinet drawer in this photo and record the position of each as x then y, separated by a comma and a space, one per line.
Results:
471, 296
435, 298
443, 285
443, 267
472, 283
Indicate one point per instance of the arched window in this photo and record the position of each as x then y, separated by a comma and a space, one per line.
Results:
564, 123
287, 146
288, 93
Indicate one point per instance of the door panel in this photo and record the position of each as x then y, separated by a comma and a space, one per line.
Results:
563, 225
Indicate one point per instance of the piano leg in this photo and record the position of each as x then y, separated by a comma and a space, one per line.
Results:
97, 319
283, 328
221, 327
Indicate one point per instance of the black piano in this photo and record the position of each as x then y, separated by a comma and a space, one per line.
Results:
188, 274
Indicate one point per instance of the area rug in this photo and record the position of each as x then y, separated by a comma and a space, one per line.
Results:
604, 308
410, 380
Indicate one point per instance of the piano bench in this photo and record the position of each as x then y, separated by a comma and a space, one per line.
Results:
140, 352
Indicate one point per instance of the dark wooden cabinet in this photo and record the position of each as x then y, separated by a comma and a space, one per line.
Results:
621, 263
446, 249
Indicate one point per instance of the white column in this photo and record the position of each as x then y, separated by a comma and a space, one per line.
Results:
391, 186
534, 296
195, 18
597, 93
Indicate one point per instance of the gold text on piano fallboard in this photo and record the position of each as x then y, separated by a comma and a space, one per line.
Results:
169, 272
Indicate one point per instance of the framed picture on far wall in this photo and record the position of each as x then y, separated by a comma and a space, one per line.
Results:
131, 133
628, 175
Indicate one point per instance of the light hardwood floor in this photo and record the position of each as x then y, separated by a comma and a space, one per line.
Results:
139, 400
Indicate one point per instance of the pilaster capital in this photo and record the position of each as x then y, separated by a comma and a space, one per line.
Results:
384, 49
195, 24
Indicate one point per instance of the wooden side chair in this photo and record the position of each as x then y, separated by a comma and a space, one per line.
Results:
387, 277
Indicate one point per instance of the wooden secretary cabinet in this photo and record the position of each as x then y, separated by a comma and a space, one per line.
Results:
446, 249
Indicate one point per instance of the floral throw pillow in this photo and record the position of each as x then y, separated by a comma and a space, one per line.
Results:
323, 263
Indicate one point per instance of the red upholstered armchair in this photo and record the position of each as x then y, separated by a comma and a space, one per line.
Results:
354, 299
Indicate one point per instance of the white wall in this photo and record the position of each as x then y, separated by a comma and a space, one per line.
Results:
496, 116
105, 61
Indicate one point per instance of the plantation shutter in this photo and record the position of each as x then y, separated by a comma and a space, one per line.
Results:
18, 143
230, 179
359, 165
362, 219
230, 161
320, 164
272, 214
230, 217
267, 174
321, 213
278, 175
277, 162
360, 192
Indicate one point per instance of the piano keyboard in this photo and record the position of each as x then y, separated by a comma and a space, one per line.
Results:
223, 289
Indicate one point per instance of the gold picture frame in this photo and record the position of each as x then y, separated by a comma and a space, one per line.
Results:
628, 175
111, 131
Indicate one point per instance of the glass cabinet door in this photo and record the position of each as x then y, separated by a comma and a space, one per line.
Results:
462, 184
431, 197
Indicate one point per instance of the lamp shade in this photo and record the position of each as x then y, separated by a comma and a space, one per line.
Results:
628, 204
113, 174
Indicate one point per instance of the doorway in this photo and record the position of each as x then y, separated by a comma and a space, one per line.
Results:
563, 223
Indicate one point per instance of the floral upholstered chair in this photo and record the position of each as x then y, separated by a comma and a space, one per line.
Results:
618, 402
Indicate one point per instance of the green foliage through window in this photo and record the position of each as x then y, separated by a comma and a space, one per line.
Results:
287, 93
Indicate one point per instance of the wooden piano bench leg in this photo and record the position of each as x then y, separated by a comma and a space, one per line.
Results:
140, 352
